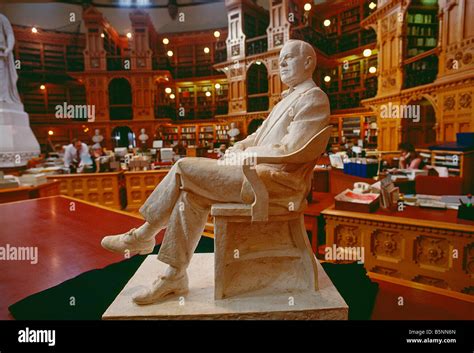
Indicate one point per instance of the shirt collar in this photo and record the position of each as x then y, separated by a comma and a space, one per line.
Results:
303, 86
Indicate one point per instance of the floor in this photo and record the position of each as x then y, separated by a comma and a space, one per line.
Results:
68, 233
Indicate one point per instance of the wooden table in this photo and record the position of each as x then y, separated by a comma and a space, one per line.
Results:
425, 248
19, 193
140, 185
68, 243
99, 188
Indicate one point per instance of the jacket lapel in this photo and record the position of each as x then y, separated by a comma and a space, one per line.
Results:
282, 107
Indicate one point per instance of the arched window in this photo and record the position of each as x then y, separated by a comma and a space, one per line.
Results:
254, 125
123, 136
257, 88
418, 126
120, 99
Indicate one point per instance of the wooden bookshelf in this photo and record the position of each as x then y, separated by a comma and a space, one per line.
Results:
369, 132
351, 77
221, 134
171, 135
186, 103
350, 128
421, 39
206, 135
204, 103
350, 20
188, 135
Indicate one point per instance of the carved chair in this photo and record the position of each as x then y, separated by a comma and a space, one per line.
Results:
257, 253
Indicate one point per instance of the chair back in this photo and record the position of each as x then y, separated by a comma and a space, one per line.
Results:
313, 148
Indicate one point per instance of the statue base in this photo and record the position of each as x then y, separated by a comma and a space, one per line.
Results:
199, 302
18, 144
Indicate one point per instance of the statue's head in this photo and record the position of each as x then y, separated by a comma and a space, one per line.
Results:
297, 62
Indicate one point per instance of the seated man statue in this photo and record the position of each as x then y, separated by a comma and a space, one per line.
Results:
182, 201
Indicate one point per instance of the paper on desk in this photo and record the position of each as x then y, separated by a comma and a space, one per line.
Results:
350, 196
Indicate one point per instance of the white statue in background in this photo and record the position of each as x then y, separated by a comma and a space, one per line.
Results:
182, 201
8, 75
143, 137
97, 138
233, 133
17, 142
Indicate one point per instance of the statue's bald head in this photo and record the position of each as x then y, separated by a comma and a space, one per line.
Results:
297, 62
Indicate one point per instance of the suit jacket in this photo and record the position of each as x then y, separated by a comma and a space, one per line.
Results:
301, 114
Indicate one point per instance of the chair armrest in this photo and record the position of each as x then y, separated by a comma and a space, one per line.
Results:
260, 203
309, 152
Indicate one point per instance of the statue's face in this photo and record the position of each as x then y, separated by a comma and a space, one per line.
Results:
294, 67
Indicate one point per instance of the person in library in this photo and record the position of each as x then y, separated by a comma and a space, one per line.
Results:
76, 155
409, 158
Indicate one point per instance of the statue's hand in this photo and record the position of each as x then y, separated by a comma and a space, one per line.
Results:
236, 148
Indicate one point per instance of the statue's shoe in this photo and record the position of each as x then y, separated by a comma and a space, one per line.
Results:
162, 288
128, 242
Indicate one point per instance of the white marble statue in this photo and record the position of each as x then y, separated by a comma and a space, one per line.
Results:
8, 75
17, 142
97, 138
182, 201
233, 132
143, 136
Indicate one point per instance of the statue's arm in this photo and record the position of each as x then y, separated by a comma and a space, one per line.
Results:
10, 36
249, 141
312, 115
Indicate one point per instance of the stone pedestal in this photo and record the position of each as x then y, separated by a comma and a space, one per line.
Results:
18, 144
199, 303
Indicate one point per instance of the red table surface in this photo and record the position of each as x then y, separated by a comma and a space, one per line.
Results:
68, 243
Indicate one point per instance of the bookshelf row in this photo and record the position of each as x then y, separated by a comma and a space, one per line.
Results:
200, 100
198, 135
353, 130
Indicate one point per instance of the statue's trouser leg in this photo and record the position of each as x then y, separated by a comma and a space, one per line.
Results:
184, 230
181, 202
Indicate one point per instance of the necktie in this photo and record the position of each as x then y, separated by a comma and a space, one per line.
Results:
78, 156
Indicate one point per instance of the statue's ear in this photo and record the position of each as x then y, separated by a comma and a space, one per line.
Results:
308, 62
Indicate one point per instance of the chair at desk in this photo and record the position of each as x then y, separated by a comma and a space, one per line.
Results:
257, 253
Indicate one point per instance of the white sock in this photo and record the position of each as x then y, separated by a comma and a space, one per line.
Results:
146, 231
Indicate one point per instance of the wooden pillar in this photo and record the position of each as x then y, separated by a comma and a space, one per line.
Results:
95, 63
140, 42
236, 54
94, 54
142, 80
278, 33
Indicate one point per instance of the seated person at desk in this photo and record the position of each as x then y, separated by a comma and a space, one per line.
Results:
409, 158
100, 159
75, 155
